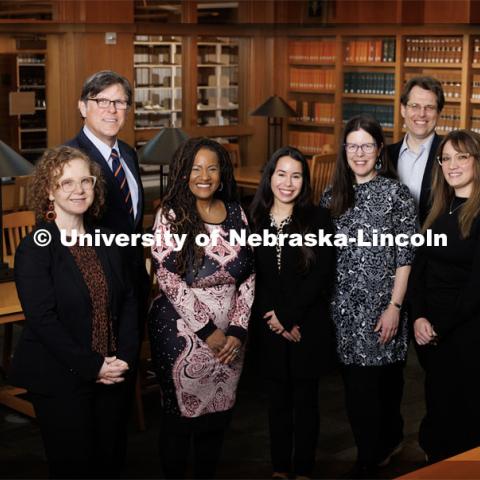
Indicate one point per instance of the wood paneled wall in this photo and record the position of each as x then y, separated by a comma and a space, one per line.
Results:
71, 59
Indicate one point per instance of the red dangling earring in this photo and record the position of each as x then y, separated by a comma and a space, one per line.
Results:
50, 214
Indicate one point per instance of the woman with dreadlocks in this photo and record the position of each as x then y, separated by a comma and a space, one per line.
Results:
199, 322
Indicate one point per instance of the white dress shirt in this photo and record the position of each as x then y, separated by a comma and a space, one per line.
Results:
411, 165
106, 152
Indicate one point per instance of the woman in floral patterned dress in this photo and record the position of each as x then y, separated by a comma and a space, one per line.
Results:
370, 286
199, 322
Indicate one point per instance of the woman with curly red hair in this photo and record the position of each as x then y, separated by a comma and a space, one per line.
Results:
80, 338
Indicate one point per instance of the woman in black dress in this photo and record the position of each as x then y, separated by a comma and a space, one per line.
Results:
444, 286
292, 302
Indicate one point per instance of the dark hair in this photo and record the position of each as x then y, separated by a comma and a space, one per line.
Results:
182, 202
442, 193
100, 81
427, 83
343, 178
302, 209
47, 172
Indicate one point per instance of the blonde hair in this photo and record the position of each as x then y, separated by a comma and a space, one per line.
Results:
442, 193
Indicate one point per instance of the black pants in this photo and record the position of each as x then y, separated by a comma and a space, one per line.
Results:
205, 434
294, 424
84, 433
373, 396
452, 421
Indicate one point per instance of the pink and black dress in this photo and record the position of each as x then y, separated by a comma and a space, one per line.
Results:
189, 308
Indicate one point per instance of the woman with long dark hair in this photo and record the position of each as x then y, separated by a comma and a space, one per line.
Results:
444, 288
198, 324
292, 302
370, 286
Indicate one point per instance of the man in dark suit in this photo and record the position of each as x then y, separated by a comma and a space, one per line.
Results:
422, 101
104, 102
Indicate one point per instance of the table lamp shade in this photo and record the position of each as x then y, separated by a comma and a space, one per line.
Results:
161, 148
276, 107
11, 163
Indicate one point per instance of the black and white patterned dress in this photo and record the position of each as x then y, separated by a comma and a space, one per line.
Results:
365, 275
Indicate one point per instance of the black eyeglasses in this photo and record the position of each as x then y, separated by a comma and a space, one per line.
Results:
365, 147
105, 103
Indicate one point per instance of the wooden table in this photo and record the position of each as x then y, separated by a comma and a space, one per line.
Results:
248, 177
10, 312
461, 467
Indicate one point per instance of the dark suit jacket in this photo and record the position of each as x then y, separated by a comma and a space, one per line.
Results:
116, 216
298, 299
54, 352
424, 204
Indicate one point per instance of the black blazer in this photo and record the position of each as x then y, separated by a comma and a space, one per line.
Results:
116, 216
54, 352
424, 204
298, 299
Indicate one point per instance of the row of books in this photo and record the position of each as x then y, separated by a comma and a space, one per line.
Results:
311, 79
369, 82
311, 51
370, 51
475, 120
383, 113
314, 111
434, 50
476, 87
449, 119
476, 50
451, 80
310, 143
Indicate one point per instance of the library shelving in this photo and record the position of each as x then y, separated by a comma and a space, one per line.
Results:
440, 57
158, 81
372, 69
312, 87
369, 78
217, 81
32, 129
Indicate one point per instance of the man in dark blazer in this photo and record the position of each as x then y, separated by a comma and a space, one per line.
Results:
104, 102
422, 101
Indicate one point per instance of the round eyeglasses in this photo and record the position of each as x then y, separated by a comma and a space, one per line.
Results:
86, 183
364, 147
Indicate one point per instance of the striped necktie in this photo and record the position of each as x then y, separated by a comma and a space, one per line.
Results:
119, 174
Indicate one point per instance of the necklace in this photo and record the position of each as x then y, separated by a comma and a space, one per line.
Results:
451, 210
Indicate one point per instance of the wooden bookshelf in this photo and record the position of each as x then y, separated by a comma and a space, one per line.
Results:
453, 58
32, 129
157, 63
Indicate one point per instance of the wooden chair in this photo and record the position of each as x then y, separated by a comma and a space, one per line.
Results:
321, 172
16, 225
233, 150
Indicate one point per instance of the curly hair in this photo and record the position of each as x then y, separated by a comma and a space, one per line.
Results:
47, 172
179, 198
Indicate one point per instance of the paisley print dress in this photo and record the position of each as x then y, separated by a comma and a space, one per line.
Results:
365, 274
193, 382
